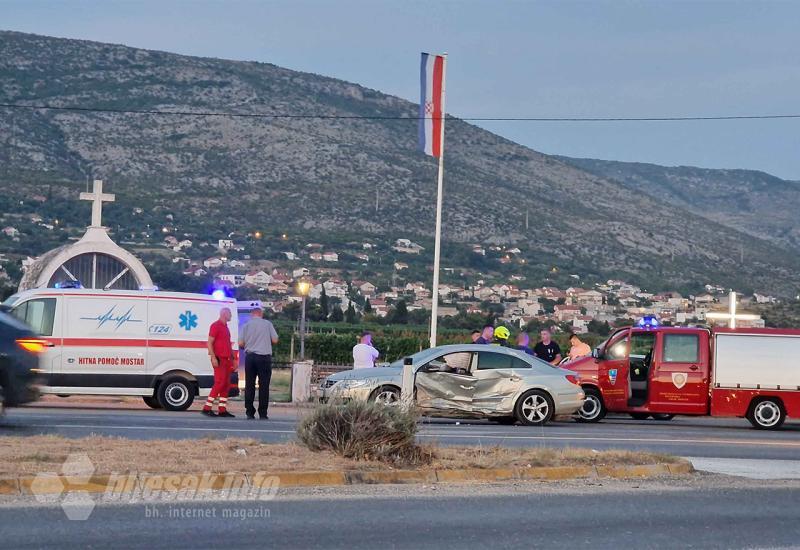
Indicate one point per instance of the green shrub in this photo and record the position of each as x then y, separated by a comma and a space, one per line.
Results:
364, 431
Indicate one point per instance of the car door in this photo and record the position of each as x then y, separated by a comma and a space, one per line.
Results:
679, 383
43, 316
496, 382
445, 385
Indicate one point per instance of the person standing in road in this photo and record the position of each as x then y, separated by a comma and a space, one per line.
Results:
364, 355
257, 338
474, 335
487, 335
547, 349
524, 343
221, 355
578, 348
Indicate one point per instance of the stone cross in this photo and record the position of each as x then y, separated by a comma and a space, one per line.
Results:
98, 198
731, 317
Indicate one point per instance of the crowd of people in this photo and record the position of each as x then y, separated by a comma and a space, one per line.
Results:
546, 349
365, 355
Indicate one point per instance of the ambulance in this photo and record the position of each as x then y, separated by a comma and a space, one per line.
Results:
134, 343
654, 371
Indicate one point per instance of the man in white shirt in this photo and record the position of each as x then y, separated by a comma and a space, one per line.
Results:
364, 354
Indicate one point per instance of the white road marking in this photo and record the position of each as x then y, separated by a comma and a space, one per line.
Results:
165, 428
440, 435
749, 468
624, 439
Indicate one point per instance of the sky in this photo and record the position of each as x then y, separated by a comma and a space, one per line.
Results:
506, 58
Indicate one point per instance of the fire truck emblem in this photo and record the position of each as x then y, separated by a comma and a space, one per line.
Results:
612, 376
679, 379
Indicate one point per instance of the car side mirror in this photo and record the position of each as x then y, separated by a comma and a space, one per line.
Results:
408, 361
597, 354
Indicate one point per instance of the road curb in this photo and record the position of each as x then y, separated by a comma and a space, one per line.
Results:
50, 484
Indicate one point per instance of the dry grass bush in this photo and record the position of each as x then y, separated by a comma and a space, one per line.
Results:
364, 431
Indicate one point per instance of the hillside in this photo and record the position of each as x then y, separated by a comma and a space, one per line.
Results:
745, 200
321, 177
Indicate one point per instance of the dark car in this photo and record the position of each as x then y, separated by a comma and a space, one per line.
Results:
19, 362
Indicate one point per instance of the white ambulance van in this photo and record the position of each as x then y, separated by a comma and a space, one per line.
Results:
114, 342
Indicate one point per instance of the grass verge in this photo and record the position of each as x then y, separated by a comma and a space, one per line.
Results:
31, 455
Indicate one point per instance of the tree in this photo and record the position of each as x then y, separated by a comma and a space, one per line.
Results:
400, 313
350, 316
337, 316
600, 328
323, 305
367, 307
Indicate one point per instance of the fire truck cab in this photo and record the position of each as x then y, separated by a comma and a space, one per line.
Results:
659, 371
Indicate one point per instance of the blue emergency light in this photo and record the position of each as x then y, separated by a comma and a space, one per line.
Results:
218, 294
648, 321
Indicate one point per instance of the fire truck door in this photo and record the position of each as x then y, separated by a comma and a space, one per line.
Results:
679, 383
613, 371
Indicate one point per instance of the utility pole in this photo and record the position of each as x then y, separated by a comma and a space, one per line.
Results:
526, 219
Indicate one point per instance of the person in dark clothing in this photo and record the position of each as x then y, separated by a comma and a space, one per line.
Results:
524, 343
487, 334
547, 349
475, 335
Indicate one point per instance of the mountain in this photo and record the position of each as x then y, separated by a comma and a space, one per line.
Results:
340, 177
750, 201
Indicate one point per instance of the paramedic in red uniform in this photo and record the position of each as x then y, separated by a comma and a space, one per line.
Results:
219, 350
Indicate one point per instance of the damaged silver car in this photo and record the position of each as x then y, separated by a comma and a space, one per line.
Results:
468, 381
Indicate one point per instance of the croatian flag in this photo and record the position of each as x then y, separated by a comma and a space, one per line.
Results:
430, 105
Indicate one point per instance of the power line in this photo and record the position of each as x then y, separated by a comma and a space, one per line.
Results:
378, 117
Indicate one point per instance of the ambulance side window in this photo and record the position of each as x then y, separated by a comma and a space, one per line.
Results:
38, 314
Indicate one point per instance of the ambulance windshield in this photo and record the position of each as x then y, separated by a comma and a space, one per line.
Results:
11, 300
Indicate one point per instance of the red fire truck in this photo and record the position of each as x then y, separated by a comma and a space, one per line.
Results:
657, 371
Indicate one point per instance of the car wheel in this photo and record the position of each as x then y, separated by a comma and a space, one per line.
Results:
593, 408
534, 408
663, 417
766, 414
386, 395
640, 416
175, 393
151, 401
504, 420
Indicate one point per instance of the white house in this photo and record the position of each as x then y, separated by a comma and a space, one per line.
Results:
225, 244
258, 278
407, 247
330, 257
213, 263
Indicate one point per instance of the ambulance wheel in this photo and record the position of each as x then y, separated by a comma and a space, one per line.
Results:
766, 414
593, 408
663, 417
534, 408
640, 416
151, 401
175, 393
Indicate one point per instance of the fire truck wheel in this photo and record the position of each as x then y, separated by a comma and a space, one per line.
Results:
175, 393
151, 401
663, 417
640, 416
534, 408
593, 409
766, 414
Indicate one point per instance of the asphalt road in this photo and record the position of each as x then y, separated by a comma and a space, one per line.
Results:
696, 518
684, 436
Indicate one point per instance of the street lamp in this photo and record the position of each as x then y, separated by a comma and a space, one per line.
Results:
302, 289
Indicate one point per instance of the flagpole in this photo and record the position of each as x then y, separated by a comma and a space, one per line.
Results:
437, 248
